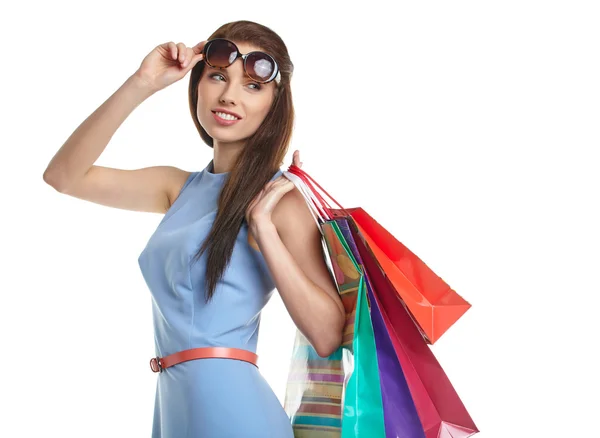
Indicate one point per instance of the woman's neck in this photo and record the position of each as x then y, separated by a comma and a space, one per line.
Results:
225, 156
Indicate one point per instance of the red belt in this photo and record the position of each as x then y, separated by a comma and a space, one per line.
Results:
157, 364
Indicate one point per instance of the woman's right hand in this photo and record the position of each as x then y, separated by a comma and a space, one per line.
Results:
168, 63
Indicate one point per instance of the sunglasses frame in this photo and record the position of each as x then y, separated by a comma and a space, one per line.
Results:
276, 76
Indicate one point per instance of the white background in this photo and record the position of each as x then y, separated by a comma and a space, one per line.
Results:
469, 129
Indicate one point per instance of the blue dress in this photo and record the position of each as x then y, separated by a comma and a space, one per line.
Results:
208, 398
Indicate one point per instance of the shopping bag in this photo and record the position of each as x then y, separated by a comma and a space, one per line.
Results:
400, 414
432, 304
340, 395
440, 409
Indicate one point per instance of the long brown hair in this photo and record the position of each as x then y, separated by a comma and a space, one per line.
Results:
261, 156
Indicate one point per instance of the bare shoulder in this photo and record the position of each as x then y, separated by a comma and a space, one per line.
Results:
293, 219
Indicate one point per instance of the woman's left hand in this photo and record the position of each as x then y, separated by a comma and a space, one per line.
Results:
260, 209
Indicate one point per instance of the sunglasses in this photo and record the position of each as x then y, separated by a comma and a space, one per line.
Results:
259, 66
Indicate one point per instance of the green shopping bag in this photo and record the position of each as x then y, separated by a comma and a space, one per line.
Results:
340, 395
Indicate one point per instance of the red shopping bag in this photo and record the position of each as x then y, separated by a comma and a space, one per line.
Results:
432, 304
442, 413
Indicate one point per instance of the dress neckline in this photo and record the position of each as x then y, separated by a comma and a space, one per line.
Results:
216, 177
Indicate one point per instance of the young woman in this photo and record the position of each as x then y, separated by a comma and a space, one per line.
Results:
232, 232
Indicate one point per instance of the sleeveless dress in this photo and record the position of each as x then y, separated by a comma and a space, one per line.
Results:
208, 398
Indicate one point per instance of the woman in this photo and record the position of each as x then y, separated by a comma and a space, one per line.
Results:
231, 232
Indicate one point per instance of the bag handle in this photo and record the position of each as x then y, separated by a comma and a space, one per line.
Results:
308, 197
309, 190
321, 201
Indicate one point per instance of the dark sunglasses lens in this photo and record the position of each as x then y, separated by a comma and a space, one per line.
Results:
260, 66
220, 53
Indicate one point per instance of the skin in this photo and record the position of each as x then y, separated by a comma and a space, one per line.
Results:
278, 218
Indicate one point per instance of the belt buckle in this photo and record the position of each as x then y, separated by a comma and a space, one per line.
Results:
155, 365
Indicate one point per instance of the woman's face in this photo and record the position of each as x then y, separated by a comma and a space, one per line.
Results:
233, 90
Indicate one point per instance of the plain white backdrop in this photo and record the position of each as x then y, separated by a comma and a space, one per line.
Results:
469, 129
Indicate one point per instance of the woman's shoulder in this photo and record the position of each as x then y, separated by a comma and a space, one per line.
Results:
292, 212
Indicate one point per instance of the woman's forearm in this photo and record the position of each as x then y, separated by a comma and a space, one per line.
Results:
88, 141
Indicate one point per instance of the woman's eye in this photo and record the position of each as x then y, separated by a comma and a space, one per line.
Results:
257, 86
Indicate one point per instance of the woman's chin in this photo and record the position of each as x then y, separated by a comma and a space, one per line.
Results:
223, 138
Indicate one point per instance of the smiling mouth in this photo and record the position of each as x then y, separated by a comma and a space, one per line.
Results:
224, 120
225, 116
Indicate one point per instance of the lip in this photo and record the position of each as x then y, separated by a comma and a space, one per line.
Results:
223, 110
224, 122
